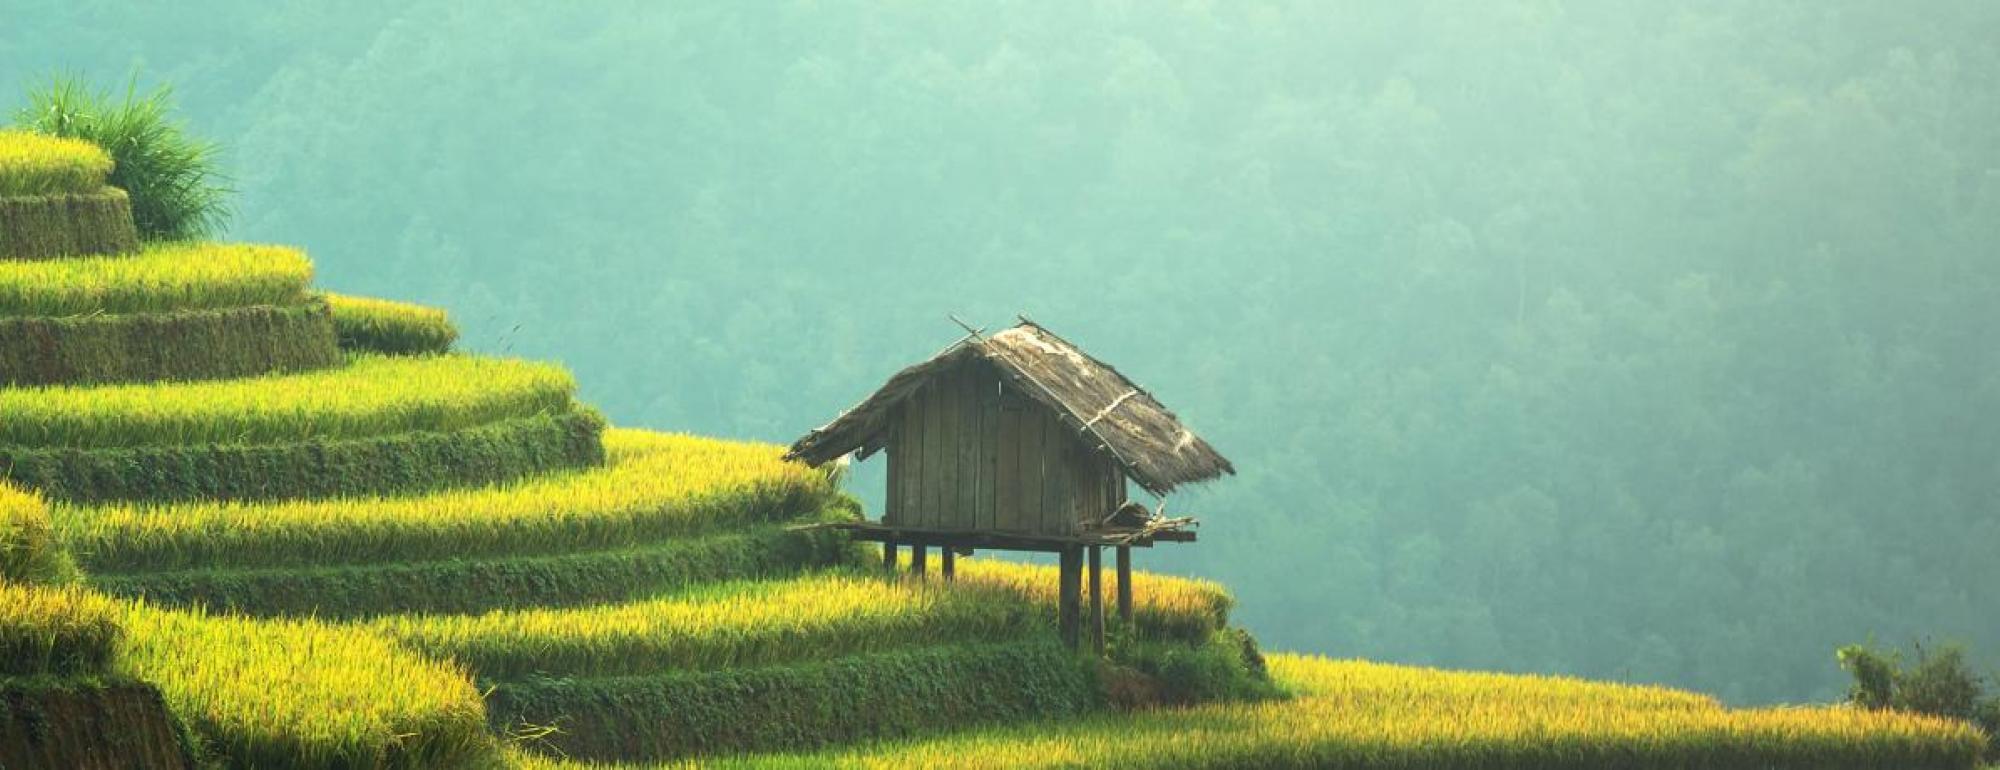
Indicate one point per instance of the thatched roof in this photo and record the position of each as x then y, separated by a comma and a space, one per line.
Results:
1108, 411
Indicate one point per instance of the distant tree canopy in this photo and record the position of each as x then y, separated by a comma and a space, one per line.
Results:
1623, 339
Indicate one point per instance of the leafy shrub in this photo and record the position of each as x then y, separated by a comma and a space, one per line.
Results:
1941, 683
395, 328
1226, 666
172, 179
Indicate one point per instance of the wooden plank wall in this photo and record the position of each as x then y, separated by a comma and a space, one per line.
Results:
968, 453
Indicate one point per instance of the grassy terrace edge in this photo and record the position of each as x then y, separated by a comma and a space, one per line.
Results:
314, 468
39, 164
183, 345
877, 696
305, 694
1362, 715
56, 631
369, 397
163, 277
488, 584
652, 488
42, 227
812, 617
391, 327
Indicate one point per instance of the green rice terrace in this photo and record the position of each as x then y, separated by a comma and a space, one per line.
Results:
249, 524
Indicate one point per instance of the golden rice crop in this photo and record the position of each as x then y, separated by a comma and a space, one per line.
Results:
737, 624
813, 617
29, 552
372, 396
304, 694
654, 486
1364, 715
55, 630
39, 164
1175, 606
163, 277
386, 326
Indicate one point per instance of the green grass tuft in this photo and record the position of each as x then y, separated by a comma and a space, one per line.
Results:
176, 191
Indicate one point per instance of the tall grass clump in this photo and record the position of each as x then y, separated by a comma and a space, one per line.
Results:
304, 694
175, 188
38, 164
162, 278
385, 326
1940, 682
372, 396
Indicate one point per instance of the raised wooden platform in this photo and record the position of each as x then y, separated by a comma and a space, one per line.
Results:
877, 532
1072, 550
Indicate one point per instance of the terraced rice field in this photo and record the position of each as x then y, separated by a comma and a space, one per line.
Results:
1354, 714
300, 693
371, 396
387, 326
653, 487
444, 561
817, 617
59, 631
162, 278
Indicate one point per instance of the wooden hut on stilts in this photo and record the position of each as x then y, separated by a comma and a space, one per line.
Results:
1020, 441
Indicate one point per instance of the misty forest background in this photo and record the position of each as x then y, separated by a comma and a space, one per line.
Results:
1618, 338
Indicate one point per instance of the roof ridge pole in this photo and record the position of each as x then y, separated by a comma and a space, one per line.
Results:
969, 331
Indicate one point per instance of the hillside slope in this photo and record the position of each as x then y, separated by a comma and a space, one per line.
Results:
321, 539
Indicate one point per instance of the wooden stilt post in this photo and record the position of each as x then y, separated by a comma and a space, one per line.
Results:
889, 556
1125, 585
950, 566
1066, 603
918, 559
1097, 598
